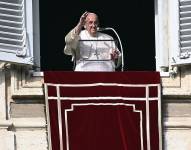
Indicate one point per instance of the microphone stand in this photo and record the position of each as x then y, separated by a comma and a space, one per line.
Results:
122, 58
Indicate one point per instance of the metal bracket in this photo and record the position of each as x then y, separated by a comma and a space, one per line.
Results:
173, 71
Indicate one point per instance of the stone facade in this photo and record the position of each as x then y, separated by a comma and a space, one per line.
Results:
22, 109
174, 66
176, 110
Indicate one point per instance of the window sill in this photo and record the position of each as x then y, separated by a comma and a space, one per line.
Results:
164, 74
38, 74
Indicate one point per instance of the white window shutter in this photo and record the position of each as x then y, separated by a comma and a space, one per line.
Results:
15, 43
183, 55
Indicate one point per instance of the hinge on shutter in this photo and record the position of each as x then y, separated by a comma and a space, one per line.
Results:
23, 52
184, 55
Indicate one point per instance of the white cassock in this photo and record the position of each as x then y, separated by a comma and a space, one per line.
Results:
94, 53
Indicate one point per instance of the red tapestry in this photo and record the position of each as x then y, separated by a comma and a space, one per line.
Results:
103, 110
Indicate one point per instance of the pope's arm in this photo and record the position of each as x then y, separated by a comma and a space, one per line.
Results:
73, 37
71, 40
116, 55
118, 59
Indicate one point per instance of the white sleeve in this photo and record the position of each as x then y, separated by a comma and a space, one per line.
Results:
71, 41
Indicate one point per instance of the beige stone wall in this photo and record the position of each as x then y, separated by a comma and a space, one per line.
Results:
176, 110
180, 86
22, 109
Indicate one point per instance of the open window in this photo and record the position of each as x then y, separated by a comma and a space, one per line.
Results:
19, 32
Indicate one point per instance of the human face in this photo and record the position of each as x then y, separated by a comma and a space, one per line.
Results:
92, 24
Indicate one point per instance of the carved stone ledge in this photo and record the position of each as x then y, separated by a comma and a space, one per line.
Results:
24, 84
177, 122
178, 86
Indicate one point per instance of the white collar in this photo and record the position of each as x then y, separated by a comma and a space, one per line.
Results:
91, 37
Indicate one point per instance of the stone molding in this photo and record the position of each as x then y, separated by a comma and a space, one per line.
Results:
24, 84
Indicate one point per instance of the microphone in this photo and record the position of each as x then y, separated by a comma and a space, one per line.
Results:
102, 29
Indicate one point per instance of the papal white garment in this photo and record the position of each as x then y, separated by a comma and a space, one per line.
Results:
94, 53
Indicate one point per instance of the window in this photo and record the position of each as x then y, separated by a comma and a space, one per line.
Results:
18, 27
173, 33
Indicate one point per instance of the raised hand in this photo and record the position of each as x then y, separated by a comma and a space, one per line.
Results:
83, 18
81, 22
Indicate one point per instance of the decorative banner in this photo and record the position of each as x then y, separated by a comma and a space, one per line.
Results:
103, 110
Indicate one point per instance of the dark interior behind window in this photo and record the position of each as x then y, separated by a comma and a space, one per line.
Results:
133, 20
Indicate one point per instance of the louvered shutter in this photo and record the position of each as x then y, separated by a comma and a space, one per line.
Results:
14, 40
185, 26
183, 55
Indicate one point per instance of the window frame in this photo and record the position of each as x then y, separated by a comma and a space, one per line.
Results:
167, 37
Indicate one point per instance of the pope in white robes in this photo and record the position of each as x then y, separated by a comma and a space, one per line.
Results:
91, 50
